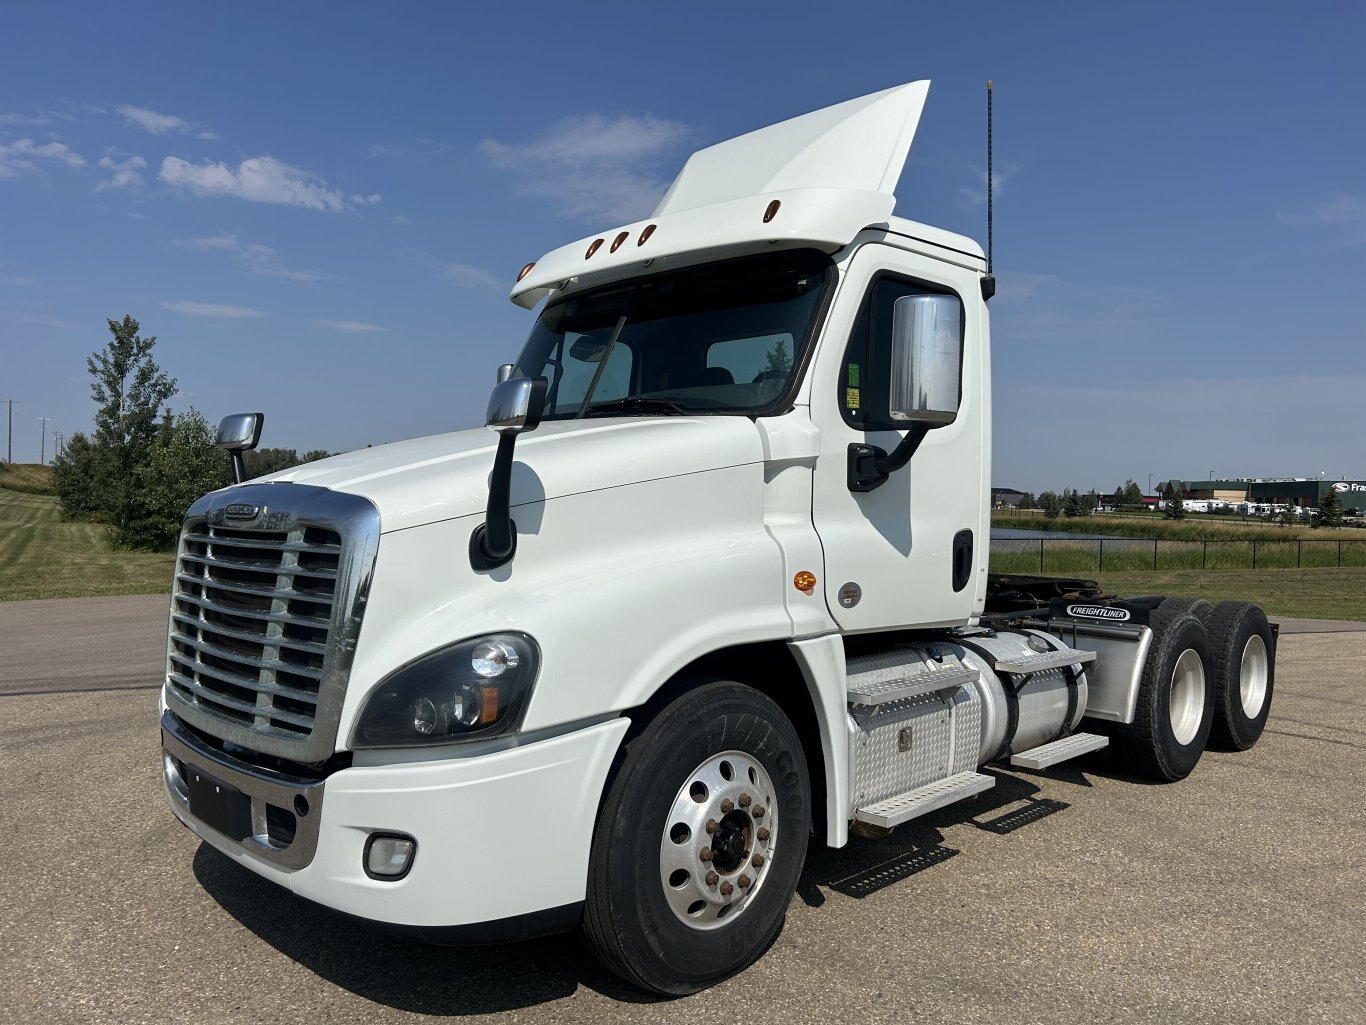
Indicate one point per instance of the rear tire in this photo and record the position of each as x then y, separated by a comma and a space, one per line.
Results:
1174, 711
1244, 655
700, 842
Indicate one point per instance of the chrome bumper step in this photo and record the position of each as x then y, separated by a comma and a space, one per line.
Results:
923, 800
1059, 751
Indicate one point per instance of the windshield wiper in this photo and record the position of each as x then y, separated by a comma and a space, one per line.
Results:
637, 404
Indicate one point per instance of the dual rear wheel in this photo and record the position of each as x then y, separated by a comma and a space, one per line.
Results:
1208, 678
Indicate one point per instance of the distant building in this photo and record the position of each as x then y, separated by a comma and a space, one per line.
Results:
1006, 498
1262, 491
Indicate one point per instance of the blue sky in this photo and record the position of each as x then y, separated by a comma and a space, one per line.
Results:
318, 209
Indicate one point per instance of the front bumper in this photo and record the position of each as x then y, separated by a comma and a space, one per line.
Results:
500, 835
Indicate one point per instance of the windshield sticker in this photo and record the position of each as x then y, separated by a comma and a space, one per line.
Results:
853, 375
851, 398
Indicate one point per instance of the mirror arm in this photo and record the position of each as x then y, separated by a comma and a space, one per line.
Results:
494, 542
870, 466
239, 466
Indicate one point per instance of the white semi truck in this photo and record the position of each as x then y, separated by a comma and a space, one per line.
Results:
717, 581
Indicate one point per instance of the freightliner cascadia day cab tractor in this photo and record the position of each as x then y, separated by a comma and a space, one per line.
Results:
716, 581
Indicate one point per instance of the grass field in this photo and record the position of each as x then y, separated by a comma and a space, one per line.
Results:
1311, 593
1194, 527
30, 478
42, 557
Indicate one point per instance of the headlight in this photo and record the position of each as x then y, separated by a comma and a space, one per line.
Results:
467, 691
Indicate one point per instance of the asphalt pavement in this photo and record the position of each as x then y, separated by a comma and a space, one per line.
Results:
1081, 895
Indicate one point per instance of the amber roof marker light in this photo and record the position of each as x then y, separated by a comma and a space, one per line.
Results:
525, 270
593, 247
772, 210
649, 230
616, 242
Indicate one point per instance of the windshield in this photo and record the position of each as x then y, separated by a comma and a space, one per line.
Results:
720, 338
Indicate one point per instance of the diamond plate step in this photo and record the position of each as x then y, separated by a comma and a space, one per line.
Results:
1059, 751
868, 689
1026, 664
921, 801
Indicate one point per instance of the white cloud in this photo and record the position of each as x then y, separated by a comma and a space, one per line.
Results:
400, 220
254, 257
350, 327
593, 167
973, 198
43, 118
127, 173
257, 179
20, 156
1343, 212
467, 275
153, 122
219, 310
373, 199
208, 136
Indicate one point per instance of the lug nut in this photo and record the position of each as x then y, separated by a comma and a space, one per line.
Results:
763, 833
727, 806
712, 826
712, 878
757, 861
744, 881
745, 800
705, 854
727, 889
758, 811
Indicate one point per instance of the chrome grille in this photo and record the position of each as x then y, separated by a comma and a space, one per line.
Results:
265, 615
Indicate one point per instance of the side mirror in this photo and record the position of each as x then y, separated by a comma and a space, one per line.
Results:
504, 372
927, 359
516, 405
238, 433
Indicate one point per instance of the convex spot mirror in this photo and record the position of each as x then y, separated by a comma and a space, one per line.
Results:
516, 405
927, 359
240, 432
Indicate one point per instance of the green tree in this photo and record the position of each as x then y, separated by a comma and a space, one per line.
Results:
1074, 503
1288, 515
1051, 504
130, 390
1130, 496
262, 461
1330, 510
1028, 501
77, 475
180, 465
1173, 508
779, 362
314, 454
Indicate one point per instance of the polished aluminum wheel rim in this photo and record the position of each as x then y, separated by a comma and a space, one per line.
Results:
1186, 703
719, 841
1253, 676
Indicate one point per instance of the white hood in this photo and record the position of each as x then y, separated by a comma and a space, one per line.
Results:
446, 475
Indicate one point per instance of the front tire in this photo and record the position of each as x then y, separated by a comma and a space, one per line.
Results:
1174, 712
700, 842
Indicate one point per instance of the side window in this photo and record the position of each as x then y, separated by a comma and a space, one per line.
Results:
864, 387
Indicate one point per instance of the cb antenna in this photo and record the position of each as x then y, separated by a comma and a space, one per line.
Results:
989, 282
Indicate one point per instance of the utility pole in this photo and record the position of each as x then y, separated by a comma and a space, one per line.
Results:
9, 442
42, 448
58, 444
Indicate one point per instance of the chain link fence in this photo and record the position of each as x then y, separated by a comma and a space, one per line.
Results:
1069, 556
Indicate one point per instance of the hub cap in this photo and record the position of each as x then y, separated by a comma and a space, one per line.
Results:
1252, 676
719, 840
1186, 703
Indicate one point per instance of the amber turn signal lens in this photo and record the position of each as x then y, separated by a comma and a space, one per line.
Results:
488, 710
804, 582
593, 248
525, 270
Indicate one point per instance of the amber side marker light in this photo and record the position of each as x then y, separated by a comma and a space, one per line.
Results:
805, 582
525, 270
593, 247
772, 210
649, 230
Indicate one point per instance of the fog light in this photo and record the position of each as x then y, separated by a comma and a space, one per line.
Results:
388, 856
